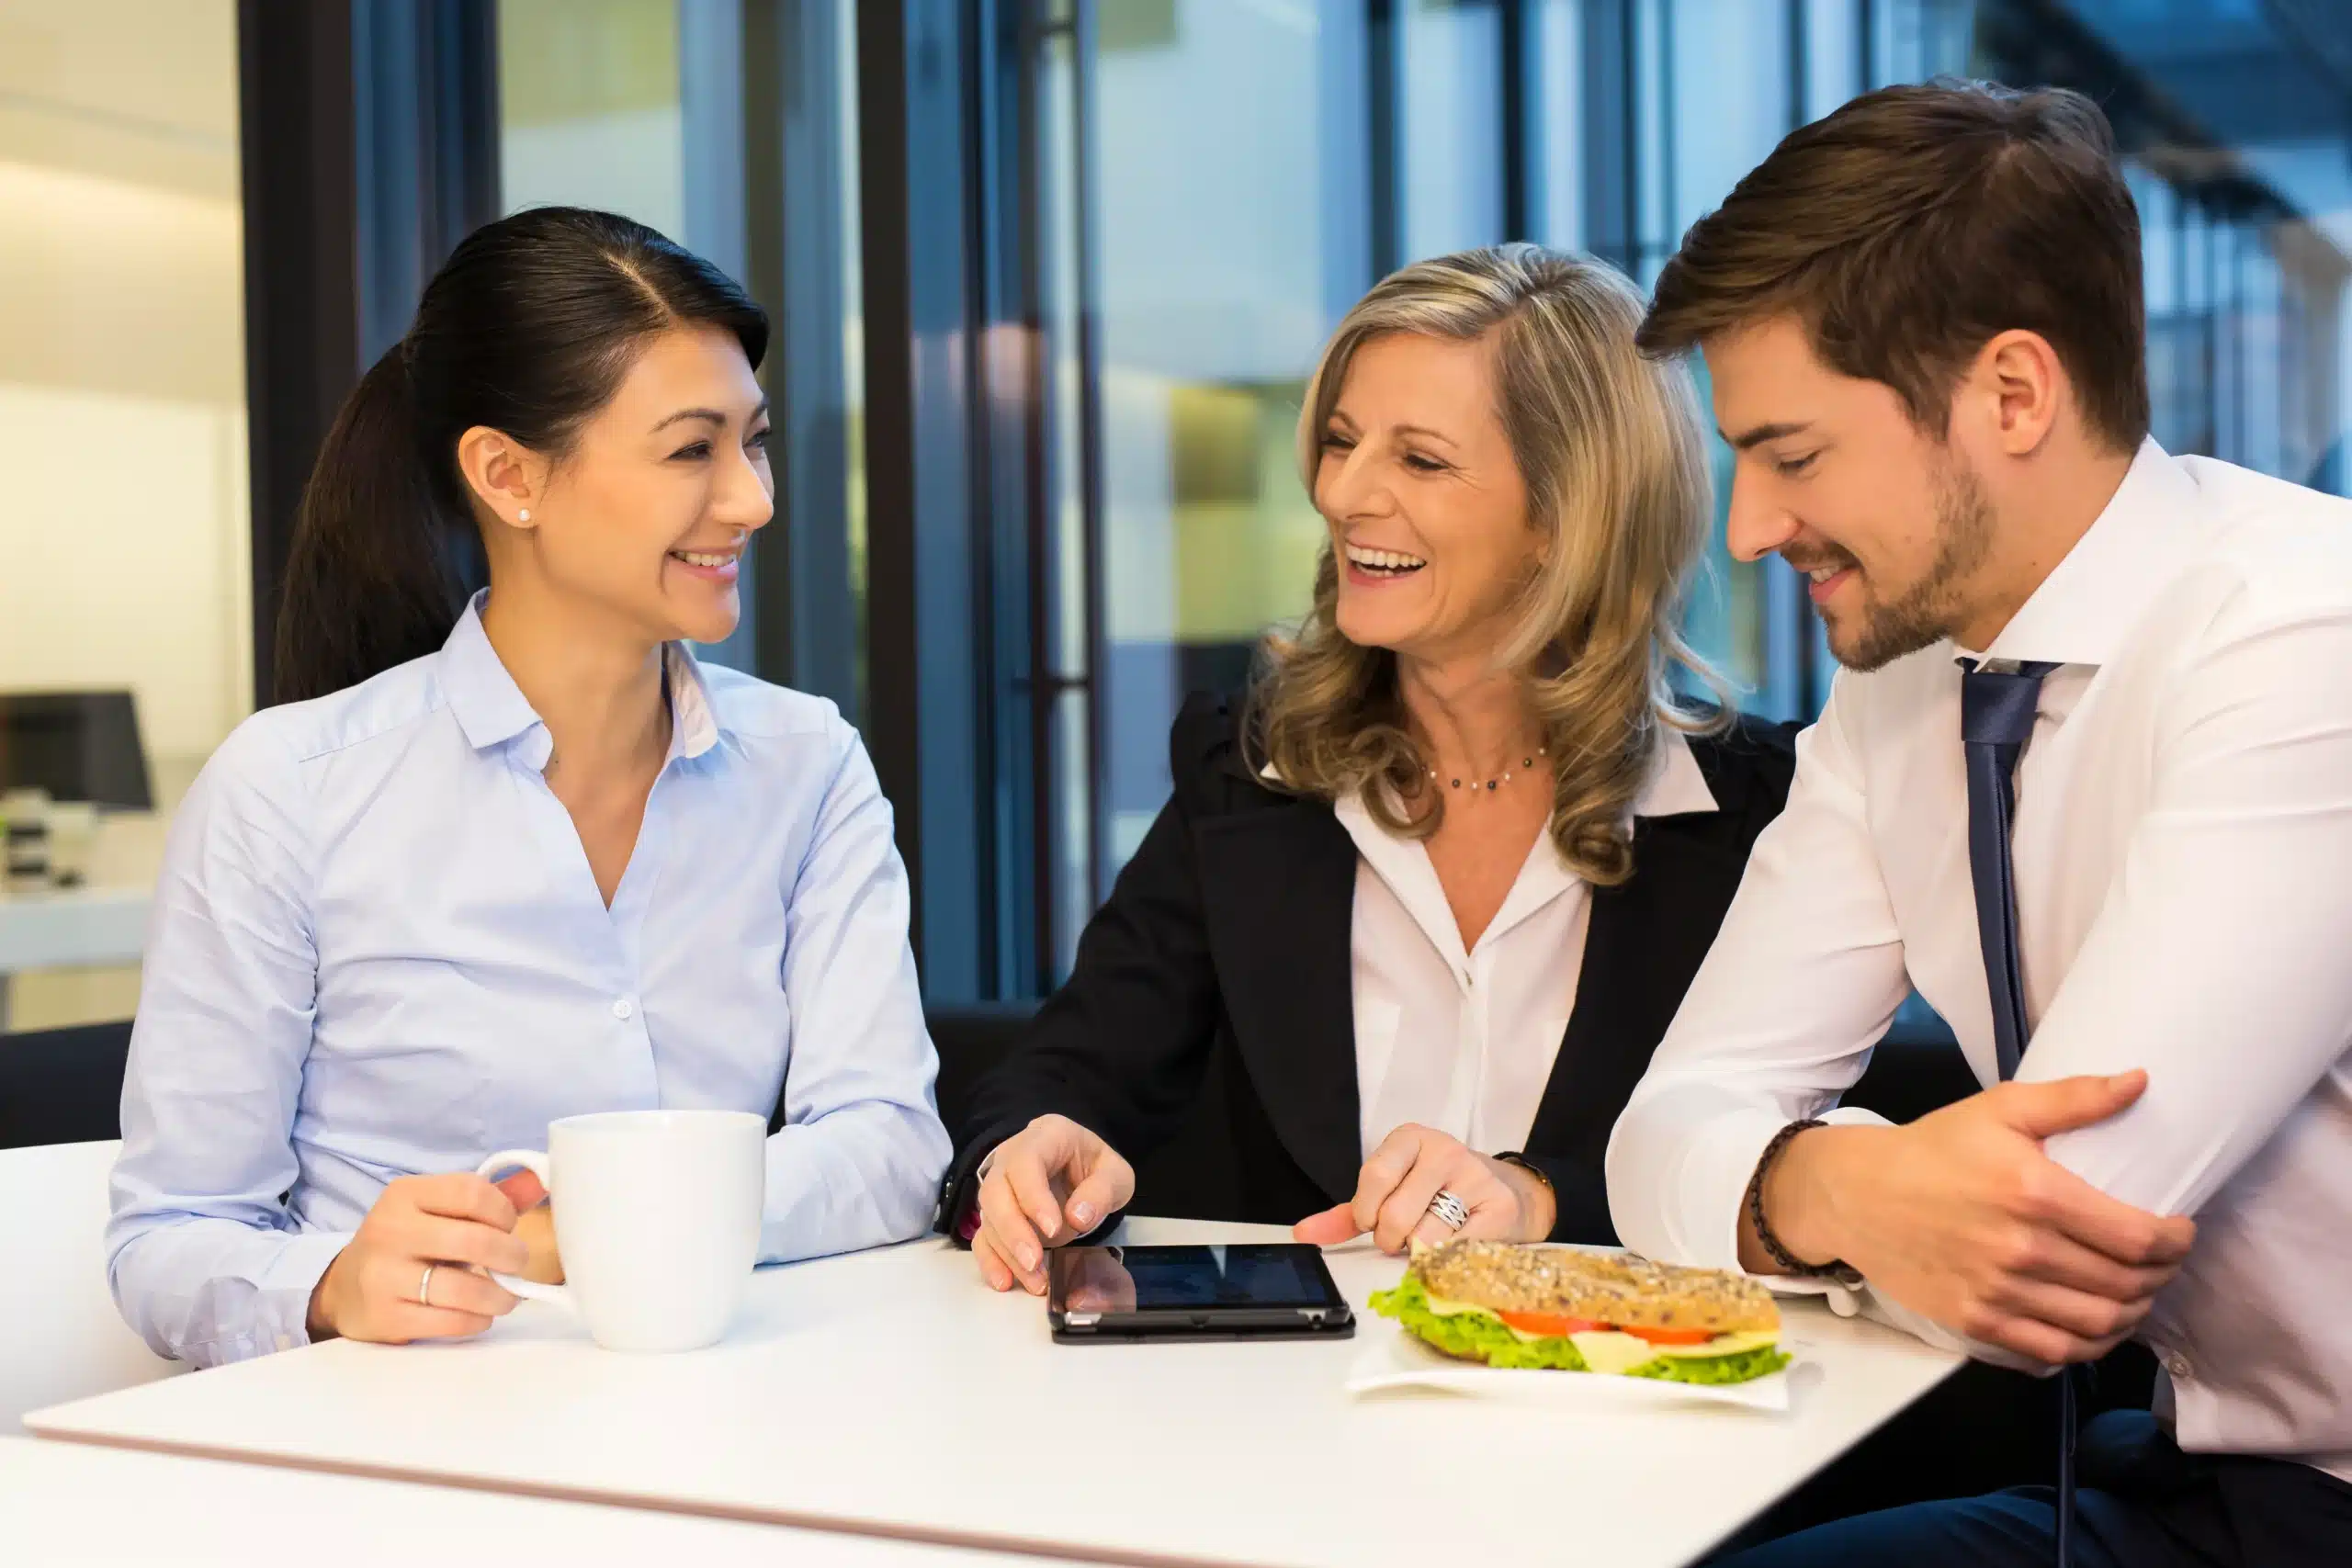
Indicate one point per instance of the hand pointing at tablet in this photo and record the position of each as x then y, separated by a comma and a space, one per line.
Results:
1410, 1168
1049, 1183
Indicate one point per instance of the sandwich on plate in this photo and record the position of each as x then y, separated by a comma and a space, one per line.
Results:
1510, 1305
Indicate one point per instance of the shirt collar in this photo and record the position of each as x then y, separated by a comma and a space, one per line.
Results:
1676, 787
492, 709
2096, 594
695, 727
489, 707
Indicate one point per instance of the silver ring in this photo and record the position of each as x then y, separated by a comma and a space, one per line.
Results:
1449, 1210
424, 1286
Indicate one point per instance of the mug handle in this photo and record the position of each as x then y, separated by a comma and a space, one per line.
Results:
535, 1162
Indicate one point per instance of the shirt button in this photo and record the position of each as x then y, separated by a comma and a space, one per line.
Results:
2177, 1365
622, 1010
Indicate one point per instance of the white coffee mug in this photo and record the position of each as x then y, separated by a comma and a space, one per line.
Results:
657, 1216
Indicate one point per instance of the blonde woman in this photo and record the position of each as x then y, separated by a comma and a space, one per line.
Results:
1422, 904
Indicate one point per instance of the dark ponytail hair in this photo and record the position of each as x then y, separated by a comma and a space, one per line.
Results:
528, 328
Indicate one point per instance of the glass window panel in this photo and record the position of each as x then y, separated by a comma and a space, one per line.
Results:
853, 331
1726, 71
1833, 58
1656, 89
815, 366
121, 330
1216, 220
1729, 61
2262, 355
1555, 162
1913, 39
1449, 59
589, 107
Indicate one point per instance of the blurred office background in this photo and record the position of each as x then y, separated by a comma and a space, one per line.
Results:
1049, 276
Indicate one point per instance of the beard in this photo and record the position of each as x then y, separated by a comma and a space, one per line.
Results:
1924, 613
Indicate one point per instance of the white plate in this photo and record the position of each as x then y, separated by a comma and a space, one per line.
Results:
1391, 1358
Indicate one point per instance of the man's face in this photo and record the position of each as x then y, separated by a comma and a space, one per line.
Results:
1831, 474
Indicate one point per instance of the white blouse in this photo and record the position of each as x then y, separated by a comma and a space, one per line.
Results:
1463, 1041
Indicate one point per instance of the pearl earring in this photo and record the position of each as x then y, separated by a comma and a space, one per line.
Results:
524, 515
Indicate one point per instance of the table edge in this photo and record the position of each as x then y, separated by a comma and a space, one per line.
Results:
1006, 1544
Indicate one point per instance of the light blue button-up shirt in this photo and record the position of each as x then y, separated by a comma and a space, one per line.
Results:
378, 950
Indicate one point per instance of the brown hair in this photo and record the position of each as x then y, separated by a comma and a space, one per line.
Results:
1915, 224
1613, 453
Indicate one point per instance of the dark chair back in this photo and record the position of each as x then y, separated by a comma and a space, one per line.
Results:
63, 1086
971, 1038
1190, 1177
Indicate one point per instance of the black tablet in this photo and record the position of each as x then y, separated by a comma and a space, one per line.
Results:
1257, 1291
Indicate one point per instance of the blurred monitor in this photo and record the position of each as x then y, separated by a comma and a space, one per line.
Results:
78, 746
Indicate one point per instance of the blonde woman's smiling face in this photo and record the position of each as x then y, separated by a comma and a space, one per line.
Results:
1427, 513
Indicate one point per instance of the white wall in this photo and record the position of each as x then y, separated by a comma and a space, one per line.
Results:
124, 525
124, 528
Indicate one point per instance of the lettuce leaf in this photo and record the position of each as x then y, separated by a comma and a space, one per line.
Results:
1478, 1334
1472, 1333
1742, 1367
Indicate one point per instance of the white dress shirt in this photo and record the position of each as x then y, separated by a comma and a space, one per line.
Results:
2183, 853
378, 951
1462, 1038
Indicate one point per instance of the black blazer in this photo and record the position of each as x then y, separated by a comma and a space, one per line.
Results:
1222, 959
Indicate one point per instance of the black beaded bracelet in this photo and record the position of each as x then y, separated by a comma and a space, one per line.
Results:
1788, 1261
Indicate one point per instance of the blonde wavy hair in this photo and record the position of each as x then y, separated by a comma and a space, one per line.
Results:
1611, 449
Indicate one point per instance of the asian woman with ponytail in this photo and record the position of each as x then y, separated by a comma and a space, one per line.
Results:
501, 858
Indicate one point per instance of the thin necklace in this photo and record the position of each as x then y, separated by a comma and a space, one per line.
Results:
1526, 764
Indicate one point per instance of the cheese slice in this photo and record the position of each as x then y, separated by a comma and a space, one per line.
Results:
1608, 1350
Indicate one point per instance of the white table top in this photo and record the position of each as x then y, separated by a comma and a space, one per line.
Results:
73, 1503
72, 927
891, 1390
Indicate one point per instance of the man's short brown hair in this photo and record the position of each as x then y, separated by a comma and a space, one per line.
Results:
1915, 224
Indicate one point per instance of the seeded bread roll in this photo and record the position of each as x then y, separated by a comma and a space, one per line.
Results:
1616, 1288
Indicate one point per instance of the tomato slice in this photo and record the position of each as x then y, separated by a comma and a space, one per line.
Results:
1672, 1335
1551, 1325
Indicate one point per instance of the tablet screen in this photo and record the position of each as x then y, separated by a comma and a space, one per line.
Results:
1257, 1274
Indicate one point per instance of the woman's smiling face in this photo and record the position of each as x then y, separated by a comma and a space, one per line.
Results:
1427, 513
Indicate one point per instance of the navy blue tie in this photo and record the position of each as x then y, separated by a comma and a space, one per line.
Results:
1996, 713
